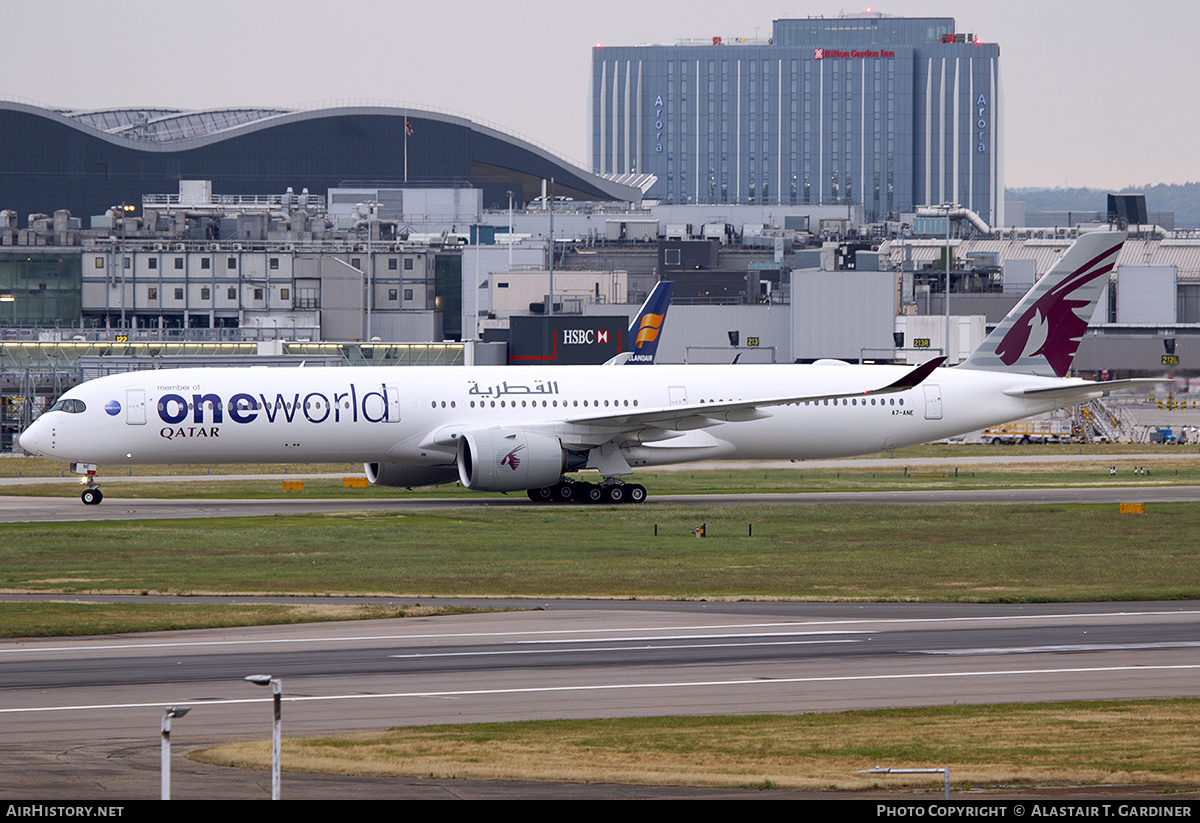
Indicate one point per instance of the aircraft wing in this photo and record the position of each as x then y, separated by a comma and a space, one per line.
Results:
593, 430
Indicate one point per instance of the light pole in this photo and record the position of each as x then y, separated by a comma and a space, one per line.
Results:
123, 211
947, 207
276, 729
168, 713
550, 307
510, 228
372, 213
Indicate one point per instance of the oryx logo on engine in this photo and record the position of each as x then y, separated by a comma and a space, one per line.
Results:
511, 460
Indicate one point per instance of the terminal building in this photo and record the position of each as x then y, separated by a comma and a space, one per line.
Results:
88, 161
887, 113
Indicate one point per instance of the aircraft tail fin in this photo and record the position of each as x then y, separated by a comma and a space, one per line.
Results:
647, 326
1042, 333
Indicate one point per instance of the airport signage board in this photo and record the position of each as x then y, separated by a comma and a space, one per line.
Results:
565, 339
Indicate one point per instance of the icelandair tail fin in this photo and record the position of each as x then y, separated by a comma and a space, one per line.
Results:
1041, 335
646, 327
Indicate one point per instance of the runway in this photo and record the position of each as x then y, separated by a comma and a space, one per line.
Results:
18, 509
67, 700
59, 509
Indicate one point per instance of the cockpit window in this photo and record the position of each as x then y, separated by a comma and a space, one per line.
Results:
70, 406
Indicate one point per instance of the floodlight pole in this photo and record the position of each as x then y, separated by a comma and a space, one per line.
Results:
165, 748
277, 735
372, 211
947, 280
276, 728
123, 211
123, 272
947, 207
550, 307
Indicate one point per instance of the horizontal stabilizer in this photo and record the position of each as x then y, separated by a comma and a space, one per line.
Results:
1074, 392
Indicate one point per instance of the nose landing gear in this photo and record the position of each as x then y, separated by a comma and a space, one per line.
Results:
91, 495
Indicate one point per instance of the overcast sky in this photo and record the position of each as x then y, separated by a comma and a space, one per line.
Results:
1101, 94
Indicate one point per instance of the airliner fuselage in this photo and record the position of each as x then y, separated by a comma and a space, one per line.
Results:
414, 415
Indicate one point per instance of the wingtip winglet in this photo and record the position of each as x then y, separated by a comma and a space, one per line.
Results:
916, 376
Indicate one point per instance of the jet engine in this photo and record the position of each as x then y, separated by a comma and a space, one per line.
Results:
496, 460
407, 476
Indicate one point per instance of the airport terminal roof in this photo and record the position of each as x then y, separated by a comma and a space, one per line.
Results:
85, 160
165, 125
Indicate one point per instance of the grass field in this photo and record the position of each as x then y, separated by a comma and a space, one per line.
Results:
977, 552
65, 618
1044, 744
857, 552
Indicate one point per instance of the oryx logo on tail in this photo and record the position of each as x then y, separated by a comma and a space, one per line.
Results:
1052, 326
1042, 334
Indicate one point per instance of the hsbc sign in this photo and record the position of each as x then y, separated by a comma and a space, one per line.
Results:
584, 337
574, 340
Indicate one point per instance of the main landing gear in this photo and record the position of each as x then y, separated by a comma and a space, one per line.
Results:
570, 491
91, 495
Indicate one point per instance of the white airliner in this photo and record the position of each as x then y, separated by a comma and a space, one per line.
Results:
532, 428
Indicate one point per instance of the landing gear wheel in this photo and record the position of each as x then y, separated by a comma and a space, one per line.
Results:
591, 493
91, 497
563, 492
543, 495
636, 493
615, 493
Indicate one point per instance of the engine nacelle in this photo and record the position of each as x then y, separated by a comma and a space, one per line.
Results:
497, 460
407, 476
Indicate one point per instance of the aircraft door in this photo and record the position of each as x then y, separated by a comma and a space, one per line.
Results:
678, 395
135, 407
393, 404
933, 401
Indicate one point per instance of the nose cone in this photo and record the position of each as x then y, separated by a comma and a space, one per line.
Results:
35, 439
